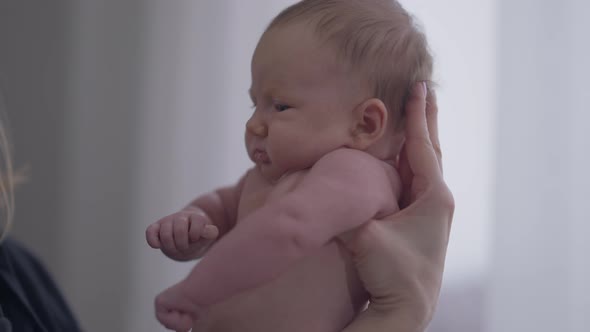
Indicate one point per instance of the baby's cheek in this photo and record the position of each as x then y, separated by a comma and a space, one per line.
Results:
291, 148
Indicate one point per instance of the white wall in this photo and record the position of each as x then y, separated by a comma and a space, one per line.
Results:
103, 84
540, 269
194, 108
182, 140
462, 34
69, 70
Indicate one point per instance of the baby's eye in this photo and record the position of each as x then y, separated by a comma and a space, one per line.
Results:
281, 107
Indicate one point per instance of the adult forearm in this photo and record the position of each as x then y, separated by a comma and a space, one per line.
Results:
398, 321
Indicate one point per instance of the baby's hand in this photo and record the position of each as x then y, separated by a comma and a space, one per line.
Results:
183, 235
175, 310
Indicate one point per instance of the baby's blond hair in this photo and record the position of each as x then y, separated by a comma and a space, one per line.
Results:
7, 176
376, 39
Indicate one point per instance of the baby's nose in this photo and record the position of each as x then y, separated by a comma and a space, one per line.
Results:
256, 126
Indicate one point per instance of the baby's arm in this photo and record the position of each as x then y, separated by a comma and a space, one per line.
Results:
221, 206
341, 191
188, 233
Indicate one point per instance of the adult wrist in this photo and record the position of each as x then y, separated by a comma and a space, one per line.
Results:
407, 319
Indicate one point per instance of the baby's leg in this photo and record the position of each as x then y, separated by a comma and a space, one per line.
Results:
321, 293
175, 309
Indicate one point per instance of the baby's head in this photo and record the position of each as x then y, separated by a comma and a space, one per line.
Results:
333, 73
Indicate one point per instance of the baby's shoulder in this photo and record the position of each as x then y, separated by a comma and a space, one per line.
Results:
351, 160
256, 184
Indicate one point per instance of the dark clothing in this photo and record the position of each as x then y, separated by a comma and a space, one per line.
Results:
29, 299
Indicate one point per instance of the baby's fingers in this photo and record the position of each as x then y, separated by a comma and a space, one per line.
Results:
181, 237
210, 232
167, 237
174, 320
200, 227
152, 235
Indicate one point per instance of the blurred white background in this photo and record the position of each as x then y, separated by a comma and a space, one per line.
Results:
125, 110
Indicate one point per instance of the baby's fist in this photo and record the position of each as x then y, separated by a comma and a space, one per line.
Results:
183, 235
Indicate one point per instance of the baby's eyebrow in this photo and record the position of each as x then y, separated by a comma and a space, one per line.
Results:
267, 93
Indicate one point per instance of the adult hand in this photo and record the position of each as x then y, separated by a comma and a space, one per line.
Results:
400, 259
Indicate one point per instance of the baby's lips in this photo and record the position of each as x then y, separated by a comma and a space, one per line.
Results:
260, 156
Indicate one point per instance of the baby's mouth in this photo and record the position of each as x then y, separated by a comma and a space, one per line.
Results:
260, 157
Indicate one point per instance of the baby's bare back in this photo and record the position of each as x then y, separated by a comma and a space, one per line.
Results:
320, 293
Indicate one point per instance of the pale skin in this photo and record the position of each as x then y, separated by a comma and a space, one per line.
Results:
188, 233
288, 227
404, 299
400, 259
313, 137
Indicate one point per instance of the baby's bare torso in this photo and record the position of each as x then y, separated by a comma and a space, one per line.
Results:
320, 293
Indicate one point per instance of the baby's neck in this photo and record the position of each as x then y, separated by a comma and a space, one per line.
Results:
388, 147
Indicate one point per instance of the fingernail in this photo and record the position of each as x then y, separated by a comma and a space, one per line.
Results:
209, 231
420, 89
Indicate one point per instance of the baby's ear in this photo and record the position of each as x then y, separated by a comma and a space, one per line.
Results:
370, 123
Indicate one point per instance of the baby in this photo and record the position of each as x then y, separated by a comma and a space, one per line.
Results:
329, 81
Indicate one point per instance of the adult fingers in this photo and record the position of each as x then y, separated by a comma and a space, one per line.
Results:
420, 151
406, 177
432, 124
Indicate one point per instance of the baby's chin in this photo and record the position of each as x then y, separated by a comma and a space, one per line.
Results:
270, 172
